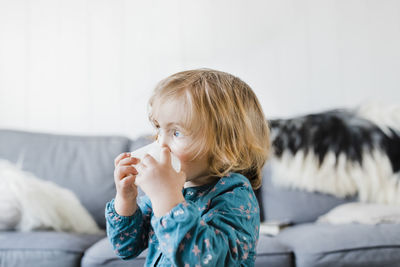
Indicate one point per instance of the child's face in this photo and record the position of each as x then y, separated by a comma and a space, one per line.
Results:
169, 120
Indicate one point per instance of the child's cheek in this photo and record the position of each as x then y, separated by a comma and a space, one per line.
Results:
181, 153
186, 159
183, 157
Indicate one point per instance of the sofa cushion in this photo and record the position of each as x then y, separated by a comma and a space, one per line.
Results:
294, 205
43, 249
84, 164
271, 253
344, 245
365, 213
102, 254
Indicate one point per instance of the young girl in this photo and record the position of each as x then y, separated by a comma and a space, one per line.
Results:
207, 214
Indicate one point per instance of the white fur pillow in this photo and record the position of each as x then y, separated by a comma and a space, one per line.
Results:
364, 213
28, 203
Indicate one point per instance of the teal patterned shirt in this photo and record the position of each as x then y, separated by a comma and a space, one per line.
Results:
217, 225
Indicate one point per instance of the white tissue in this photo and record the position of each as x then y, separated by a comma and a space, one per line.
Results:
154, 150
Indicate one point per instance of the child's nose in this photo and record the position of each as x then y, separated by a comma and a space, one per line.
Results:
162, 141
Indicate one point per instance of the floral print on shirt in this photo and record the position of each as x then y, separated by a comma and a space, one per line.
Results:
217, 225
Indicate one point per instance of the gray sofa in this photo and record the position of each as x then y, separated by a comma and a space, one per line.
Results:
84, 164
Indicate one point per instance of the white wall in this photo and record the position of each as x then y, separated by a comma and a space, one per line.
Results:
88, 66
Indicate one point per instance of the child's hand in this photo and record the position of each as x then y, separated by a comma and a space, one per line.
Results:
161, 183
124, 178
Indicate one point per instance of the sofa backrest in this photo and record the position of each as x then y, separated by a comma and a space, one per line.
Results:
84, 164
293, 205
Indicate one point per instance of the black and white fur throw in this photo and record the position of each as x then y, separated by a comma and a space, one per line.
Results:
340, 152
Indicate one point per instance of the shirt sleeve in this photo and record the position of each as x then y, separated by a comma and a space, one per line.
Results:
129, 235
226, 235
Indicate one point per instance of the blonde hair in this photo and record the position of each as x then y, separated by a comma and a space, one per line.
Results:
224, 117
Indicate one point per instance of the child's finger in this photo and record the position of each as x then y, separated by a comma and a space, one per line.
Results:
128, 180
165, 157
140, 167
123, 171
148, 160
128, 161
121, 156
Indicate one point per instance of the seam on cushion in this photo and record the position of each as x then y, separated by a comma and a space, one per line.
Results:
44, 249
352, 249
274, 253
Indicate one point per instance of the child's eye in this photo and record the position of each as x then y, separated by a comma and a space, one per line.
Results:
177, 133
